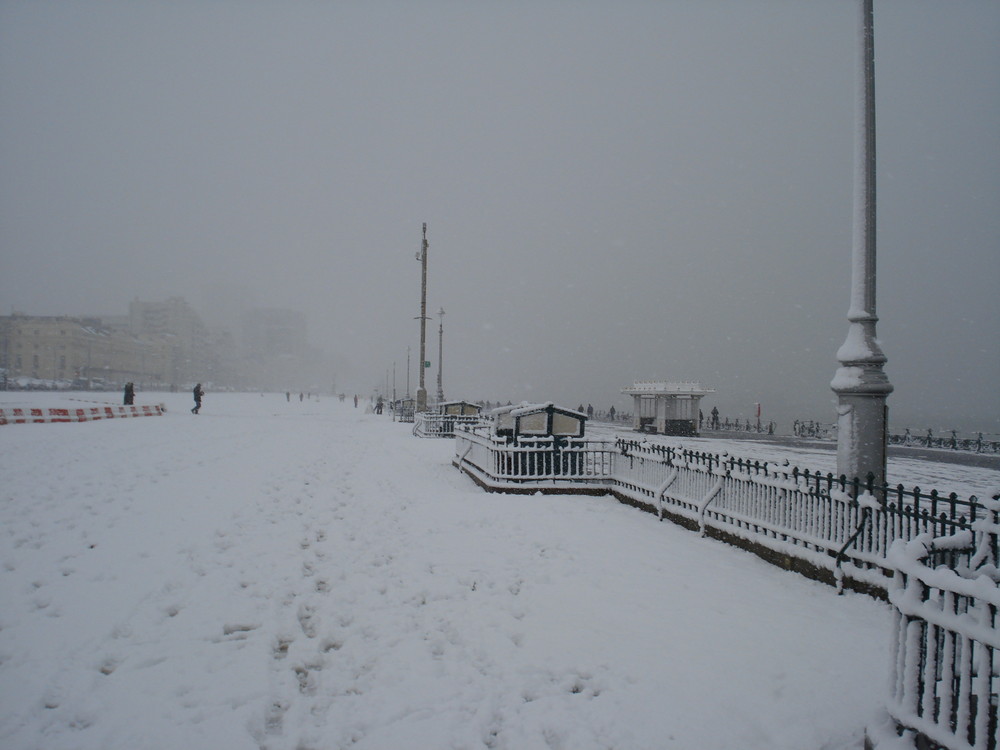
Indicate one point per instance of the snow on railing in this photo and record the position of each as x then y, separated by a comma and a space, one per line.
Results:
831, 528
946, 655
842, 526
532, 463
942, 552
431, 424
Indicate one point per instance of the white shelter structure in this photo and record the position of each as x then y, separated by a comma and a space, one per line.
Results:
666, 408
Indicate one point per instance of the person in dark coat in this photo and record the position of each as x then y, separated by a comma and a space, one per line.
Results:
198, 393
129, 393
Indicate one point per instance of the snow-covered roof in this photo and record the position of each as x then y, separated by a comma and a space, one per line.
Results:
658, 387
526, 408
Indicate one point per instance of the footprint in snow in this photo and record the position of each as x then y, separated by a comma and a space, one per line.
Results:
308, 620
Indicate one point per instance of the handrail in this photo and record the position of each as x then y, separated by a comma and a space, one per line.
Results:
706, 501
468, 450
838, 571
664, 487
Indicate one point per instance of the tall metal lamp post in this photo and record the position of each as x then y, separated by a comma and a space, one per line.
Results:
440, 393
422, 257
860, 383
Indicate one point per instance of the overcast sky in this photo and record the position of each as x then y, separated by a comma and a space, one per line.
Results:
614, 190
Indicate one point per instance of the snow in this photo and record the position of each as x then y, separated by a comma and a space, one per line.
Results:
306, 575
847, 378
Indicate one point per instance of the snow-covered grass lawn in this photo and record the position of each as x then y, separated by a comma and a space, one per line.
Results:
304, 575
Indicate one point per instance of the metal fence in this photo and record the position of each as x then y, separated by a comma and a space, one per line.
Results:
534, 463
832, 528
430, 424
728, 424
937, 556
842, 526
946, 650
948, 441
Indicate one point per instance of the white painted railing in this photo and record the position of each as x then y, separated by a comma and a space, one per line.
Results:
940, 552
946, 666
534, 463
431, 424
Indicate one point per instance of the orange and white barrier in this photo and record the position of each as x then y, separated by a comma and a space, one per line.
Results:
20, 415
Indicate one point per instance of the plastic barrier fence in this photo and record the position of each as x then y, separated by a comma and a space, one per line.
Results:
11, 415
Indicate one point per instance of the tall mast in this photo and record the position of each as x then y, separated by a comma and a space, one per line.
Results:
422, 257
440, 393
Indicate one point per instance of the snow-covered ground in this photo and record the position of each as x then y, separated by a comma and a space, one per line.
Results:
305, 575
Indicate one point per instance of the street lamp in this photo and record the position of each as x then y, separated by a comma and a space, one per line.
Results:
860, 383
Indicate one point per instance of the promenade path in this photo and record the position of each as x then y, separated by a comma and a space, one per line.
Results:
305, 575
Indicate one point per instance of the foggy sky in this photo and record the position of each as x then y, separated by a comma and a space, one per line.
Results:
614, 191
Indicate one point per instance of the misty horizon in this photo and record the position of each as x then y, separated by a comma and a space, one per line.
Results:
637, 192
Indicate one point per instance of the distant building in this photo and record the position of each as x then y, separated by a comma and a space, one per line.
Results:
60, 351
191, 357
162, 345
275, 349
270, 333
666, 408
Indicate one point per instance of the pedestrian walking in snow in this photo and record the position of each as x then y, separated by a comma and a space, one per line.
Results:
129, 394
198, 393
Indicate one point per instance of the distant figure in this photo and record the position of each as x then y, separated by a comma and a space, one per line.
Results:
355, 400
590, 411
198, 393
580, 408
701, 418
715, 418
378, 405
300, 396
611, 413
129, 394
288, 396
